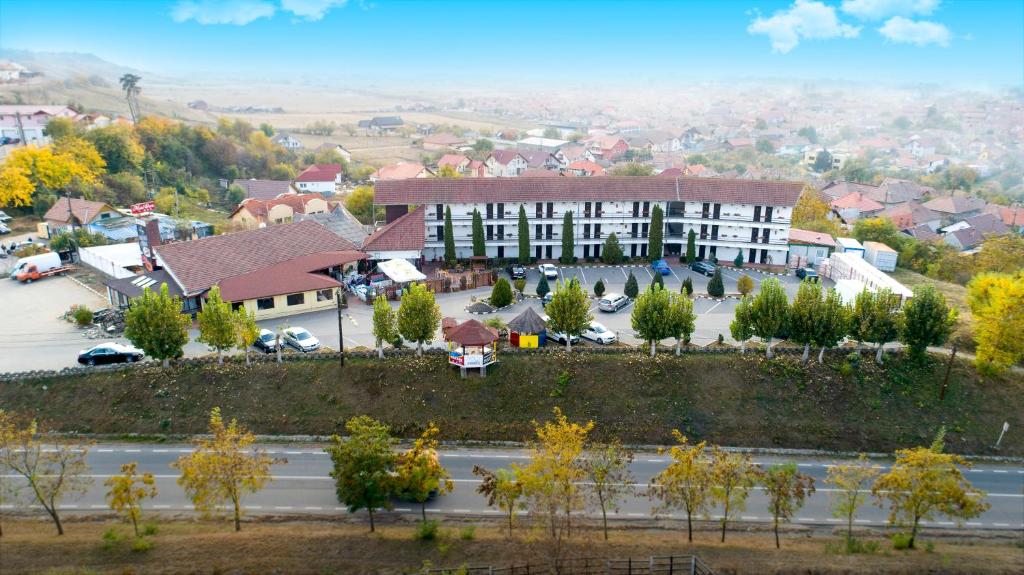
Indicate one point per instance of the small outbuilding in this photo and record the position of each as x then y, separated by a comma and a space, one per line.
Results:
527, 330
473, 346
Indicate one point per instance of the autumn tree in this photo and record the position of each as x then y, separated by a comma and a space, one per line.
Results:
686, 482
127, 492
924, 483
804, 315
742, 328
155, 324
881, 230
568, 240
418, 315
874, 318
851, 483
787, 489
652, 317
523, 237
364, 466
568, 311
733, 475
607, 473
450, 256
359, 202
833, 323
503, 489
479, 247
997, 303
420, 474
745, 284
655, 239
448, 172
768, 312
611, 251
1002, 254
682, 320
812, 212
224, 468
217, 327
926, 320
246, 330
52, 468
30, 171
385, 326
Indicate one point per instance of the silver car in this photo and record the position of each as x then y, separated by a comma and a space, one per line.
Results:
301, 339
612, 302
599, 334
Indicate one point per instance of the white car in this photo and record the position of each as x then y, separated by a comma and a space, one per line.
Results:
612, 302
558, 336
549, 271
599, 334
301, 339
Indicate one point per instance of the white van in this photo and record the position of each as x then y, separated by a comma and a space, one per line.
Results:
43, 262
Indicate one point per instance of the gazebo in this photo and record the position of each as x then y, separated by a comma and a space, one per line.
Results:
473, 346
527, 330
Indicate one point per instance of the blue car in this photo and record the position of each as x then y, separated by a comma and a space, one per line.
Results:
661, 266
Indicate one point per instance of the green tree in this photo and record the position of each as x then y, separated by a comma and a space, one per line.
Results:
501, 488
599, 287
733, 475
246, 330
765, 146
651, 317
742, 327
656, 237
787, 489
926, 320
155, 324
632, 169
715, 287
606, 469
851, 483
810, 133
420, 474
997, 304
217, 327
479, 247
682, 320
658, 280
611, 251
737, 261
569, 311
359, 202
385, 324
501, 294
483, 146
542, 286
880, 230
686, 482
632, 289
687, 287
524, 237
813, 212
449, 238
823, 161
568, 240
418, 315
267, 129
875, 318
691, 247
768, 312
804, 316
833, 323
364, 466
745, 284
119, 147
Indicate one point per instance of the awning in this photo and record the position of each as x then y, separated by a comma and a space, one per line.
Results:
401, 271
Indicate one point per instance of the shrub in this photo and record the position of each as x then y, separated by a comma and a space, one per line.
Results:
631, 290
599, 288
141, 545
745, 284
467, 533
520, 285
659, 280
30, 250
687, 286
496, 322
715, 287
426, 530
901, 541
462, 282
111, 535
721, 339
149, 529
501, 295
738, 262
561, 384
82, 315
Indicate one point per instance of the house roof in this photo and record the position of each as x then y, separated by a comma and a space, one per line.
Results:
797, 236
968, 237
1011, 215
609, 188
988, 224
955, 204
405, 233
587, 166
399, 171
341, 222
84, 211
260, 208
453, 160
386, 121
320, 173
673, 172
504, 157
922, 232
536, 158
134, 286
199, 264
472, 332
541, 173
838, 189
878, 247
444, 139
895, 191
527, 322
909, 214
859, 201
263, 189
289, 276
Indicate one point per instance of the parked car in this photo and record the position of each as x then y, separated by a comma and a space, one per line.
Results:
807, 274
549, 271
599, 334
266, 341
301, 339
612, 302
4, 218
4, 229
703, 267
544, 301
661, 266
559, 336
105, 353
516, 271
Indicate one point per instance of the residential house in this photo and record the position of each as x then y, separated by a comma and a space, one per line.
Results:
341, 222
834, 190
540, 159
10, 72
855, 206
912, 214
838, 158
401, 171
457, 162
477, 169
585, 168
264, 189
382, 124
505, 163
540, 143
68, 213
320, 178
922, 232
442, 141
402, 238
608, 148
969, 233
954, 208
23, 123
574, 152
337, 148
280, 210
809, 248
1012, 216
729, 217
287, 141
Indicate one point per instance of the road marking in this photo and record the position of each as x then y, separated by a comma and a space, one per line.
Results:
161, 507
312, 508
750, 518
973, 524
97, 506
403, 509
636, 515
808, 519
861, 521
105, 450
161, 450
1000, 524
999, 471
649, 274
674, 273
132, 450
712, 307
584, 276
834, 520
282, 507
293, 452
623, 270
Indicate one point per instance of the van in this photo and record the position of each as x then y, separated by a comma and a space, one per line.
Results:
43, 262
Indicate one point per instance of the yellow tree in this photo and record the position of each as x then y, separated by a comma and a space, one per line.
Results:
501, 488
686, 482
246, 330
851, 483
224, 468
925, 482
52, 469
49, 168
733, 475
420, 473
8, 434
15, 186
812, 213
997, 302
127, 492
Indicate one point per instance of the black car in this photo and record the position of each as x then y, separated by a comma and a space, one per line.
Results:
705, 268
110, 353
266, 341
516, 271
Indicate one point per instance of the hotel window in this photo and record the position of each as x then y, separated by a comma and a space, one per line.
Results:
324, 294
501, 211
439, 211
265, 303
296, 298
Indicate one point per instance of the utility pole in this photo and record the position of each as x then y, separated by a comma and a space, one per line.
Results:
341, 331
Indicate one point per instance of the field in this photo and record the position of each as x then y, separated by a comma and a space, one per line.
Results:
726, 399
333, 547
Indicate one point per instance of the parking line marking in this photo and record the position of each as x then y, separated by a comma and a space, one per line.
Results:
712, 307
623, 270
584, 276
674, 273
649, 274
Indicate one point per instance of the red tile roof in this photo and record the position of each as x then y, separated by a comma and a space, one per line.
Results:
592, 168
199, 264
320, 173
673, 172
1011, 216
503, 157
455, 161
797, 236
259, 208
405, 233
444, 139
609, 188
290, 276
399, 171
859, 201
955, 204
85, 211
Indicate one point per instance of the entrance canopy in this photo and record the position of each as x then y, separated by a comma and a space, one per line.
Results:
400, 271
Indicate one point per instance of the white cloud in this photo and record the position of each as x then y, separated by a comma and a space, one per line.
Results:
805, 19
921, 33
879, 9
310, 9
237, 12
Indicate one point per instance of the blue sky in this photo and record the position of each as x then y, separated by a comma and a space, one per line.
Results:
957, 42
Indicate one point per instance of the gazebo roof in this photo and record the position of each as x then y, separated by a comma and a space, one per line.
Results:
472, 332
527, 322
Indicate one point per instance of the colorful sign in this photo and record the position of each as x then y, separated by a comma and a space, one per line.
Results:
143, 208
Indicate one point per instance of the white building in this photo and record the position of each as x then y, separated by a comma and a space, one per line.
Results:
750, 217
27, 124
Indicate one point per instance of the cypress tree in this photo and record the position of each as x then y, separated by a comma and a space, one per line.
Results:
479, 248
449, 238
687, 287
715, 287
691, 247
655, 239
568, 241
524, 237
611, 253
542, 286
632, 289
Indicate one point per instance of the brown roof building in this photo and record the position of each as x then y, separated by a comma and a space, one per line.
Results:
66, 212
263, 189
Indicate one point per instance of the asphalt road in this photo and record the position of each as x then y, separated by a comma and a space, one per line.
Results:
302, 486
